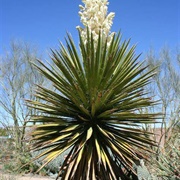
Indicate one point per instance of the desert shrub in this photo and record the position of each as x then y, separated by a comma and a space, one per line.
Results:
52, 167
14, 164
6, 149
166, 164
22, 162
3, 132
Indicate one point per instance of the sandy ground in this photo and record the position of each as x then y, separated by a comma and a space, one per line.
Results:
25, 177
5, 176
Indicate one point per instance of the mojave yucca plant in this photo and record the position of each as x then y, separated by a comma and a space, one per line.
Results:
94, 110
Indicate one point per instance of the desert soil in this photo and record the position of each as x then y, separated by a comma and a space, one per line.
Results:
24, 177
6, 176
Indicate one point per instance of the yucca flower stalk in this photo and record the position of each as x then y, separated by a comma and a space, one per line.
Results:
94, 16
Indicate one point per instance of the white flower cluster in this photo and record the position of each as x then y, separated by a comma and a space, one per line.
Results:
94, 16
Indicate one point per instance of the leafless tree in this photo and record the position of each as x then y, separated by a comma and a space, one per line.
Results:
166, 86
18, 77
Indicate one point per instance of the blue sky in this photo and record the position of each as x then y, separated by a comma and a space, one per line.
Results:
44, 22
